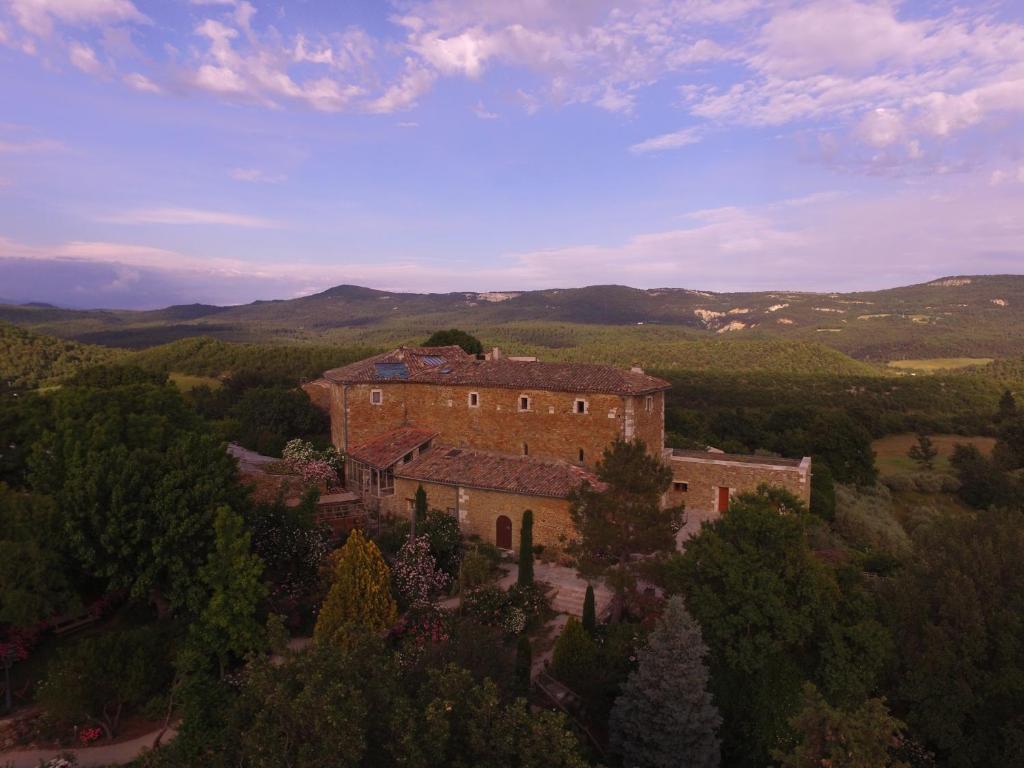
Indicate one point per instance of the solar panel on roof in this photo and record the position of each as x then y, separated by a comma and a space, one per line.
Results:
432, 360
391, 370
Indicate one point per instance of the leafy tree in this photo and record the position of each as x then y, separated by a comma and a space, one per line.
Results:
1007, 406
1009, 448
445, 537
137, 481
665, 716
35, 579
360, 596
98, 677
525, 577
454, 337
823, 491
923, 452
229, 624
983, 483
23, 418
957, 608
524, 665
627, 518
589, 611
574, 661
419, 505
269, 416
865, 737
773, 616
845, 446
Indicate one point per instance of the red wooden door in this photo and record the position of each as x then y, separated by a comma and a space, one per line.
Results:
503, 532
723, 499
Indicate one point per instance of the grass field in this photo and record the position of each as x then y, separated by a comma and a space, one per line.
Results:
186, 382
930, 365
891, 452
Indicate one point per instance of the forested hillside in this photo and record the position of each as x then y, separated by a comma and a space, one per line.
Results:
967, 316
29, 360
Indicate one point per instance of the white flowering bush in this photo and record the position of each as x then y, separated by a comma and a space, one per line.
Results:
416, 575
315, 467
513, 620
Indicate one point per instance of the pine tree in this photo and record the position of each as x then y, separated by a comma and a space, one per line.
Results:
360, 597
526, 550
229, 625
1007, 406
589, 611
524, 664
575, 658
923, 452
665, 715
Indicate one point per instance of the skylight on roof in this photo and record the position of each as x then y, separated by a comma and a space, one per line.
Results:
432, 360
391, 370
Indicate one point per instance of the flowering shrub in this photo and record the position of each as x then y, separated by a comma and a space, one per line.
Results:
513, 620
416, 575
531, 600
89, 735
314, 466
64, 761
494, 607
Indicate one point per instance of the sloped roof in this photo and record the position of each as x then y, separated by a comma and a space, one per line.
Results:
442, 365
496, 471
383, 451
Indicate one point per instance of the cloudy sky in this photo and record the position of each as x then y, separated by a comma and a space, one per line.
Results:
167, 151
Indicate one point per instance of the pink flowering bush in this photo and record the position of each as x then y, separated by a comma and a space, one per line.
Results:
315, 467
416, 575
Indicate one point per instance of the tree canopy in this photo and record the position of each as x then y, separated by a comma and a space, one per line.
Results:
454, 337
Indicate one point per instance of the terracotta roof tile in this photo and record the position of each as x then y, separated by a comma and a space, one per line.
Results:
442, 365
496, 471
386, 449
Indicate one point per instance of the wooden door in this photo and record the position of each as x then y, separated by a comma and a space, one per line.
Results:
723, 499
503, 532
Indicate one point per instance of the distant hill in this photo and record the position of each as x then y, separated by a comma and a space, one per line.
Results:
964, 316
30, 360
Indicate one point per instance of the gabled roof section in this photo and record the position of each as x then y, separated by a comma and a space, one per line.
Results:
400, 364
497, 472
451, 366
383, 451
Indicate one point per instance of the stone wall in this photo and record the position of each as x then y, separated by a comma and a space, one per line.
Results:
549, 429
478, 511
705, 476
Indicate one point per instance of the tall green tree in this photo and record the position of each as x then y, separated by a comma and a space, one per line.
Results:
360, 596
865, 737
957, 608
923, 452
665, 716
230, 626
525, 577
589, 611
773, 616
36, 580
624, 519
575, 658
454, 337
137, 480
1007, 406
524, 665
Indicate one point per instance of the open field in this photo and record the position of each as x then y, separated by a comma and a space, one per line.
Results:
891, 452
186, 382
929, 365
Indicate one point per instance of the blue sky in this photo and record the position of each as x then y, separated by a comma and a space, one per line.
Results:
228, 150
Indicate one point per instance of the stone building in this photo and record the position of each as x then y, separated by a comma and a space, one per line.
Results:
491, 436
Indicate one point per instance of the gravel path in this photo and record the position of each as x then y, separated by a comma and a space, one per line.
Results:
90, 757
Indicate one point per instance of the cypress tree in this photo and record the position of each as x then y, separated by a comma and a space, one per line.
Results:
665, 716
589, 611
575, 659
524, 664
360, 597
419, 509
526, 550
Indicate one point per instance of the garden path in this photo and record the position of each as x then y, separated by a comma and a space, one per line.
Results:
91, 757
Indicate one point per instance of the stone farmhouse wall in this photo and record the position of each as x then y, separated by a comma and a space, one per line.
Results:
550, 428
478, 510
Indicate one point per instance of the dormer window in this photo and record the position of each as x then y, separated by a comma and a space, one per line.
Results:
376, 396
474, 399
524, 403
579, 406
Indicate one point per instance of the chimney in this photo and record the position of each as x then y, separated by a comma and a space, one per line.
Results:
495, 353
635, 368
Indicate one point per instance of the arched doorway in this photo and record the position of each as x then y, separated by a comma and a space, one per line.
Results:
503, 532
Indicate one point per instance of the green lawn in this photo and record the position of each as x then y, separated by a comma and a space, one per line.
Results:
891, 452
929, 365
186, 382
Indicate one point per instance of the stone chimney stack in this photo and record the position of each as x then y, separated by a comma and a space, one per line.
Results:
495, 353
635, 368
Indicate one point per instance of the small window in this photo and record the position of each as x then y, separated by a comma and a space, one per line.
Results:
410, 505
524, 403
376, 396
580, 406
474, 399
408, 457
526, 449
581, 455
649, 403
680, 486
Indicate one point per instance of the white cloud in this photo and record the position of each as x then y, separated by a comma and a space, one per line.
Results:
140, 82
483, 113
257, 176
667, 141
189, 216
84, 58
404, 94
39, 16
